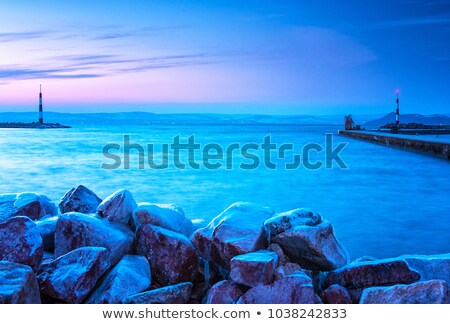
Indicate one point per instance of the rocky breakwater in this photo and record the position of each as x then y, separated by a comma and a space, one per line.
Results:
115, 250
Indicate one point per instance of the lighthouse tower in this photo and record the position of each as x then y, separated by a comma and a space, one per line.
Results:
41, 119
397, 112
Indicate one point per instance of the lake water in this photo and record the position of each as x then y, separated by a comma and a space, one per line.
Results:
387, 202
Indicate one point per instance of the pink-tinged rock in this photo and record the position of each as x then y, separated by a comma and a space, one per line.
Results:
313, 247
71, 277
425, 292
176, 294
21, 242
355, 294
172, 257
18, 284
281, 222
47, 227
75, 230
26, 204
286, 270
224, 292
254, 268
167, 216
336, 294
131, 275
282, 258
238, 230
373, 273
294, 289
118, 207
79, 199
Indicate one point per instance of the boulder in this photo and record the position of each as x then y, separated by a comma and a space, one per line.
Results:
224, 292
26, 204
282, 258
21, 242
71, 277
18, 284
293, 289
355, 294
281, 222
237, 230
286, 270
47, 227
75, 230
430, 266
425, 292
373, 273
312, 247
198, 223
79, 199
131, 275
176, 294
336, 294
167, 216
118, 207
254, 268
209, 272
171, 255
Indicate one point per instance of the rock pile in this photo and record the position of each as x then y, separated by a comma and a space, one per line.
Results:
89, 250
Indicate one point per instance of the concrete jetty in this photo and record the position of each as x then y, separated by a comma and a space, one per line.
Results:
439, 147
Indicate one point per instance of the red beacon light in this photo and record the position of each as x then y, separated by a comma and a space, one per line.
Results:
397, 91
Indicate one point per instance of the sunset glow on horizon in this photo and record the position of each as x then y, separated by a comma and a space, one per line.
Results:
307, 55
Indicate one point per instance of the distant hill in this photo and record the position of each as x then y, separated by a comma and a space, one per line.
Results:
411, 118
146, 118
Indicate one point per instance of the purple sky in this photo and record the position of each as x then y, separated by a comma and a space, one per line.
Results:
276, 57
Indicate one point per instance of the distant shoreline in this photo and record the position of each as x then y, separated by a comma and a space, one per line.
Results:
33, 125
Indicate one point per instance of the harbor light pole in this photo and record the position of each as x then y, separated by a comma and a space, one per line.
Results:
41, 119
397, 112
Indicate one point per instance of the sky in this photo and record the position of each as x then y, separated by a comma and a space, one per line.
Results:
254, 56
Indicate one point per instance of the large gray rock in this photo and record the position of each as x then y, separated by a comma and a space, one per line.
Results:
282, 258
254, 268
373, 273
286, 270
224, 292
75, 230
336, 294
168, 216
79, 199
238, 230
118, 207
430, 266
71, 277
293, 289
171, 255
425, 292
18, 284
26, 204
47, 227
312, 247
21, 242
130, 276
176, 294
281, 222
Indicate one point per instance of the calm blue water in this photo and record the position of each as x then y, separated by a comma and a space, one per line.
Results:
388, 202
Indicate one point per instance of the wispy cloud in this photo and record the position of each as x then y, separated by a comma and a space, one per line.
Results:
21, 73
418, 21
94, 33
97, 65
19, 36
